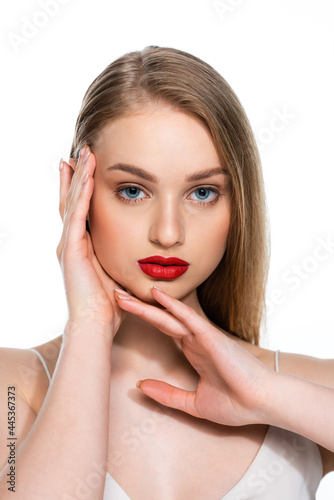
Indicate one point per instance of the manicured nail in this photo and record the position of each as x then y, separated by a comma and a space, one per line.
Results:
138, 383
158, 288
124, 297
61, 163
122, 294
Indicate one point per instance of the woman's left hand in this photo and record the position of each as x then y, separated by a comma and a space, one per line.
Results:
233, 388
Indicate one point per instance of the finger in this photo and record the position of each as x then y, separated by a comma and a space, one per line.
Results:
169, 395
75, 225
85, 165
76, 219
189, 317
72, 163
66, 175
160, 318
76, 209
68, 185
75, 188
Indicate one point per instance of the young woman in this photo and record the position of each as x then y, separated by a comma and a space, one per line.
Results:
164, 258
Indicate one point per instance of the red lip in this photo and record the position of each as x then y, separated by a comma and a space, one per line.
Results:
159, 267
165, 261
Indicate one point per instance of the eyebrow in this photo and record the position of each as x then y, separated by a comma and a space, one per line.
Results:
203, 174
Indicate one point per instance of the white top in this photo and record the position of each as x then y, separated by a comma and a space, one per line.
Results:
287, 466
43, 363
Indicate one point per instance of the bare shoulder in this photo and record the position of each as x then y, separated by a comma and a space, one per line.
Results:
11, 362
25, 368
23, 387
318, 370
21, 369
16, 413
49, 352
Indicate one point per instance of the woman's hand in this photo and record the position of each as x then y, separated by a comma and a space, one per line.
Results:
89, 289
234, 387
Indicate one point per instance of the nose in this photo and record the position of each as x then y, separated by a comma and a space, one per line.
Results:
167, 224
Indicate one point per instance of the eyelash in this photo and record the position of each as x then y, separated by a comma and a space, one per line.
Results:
138, 200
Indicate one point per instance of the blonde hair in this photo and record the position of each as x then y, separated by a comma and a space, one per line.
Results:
233, 296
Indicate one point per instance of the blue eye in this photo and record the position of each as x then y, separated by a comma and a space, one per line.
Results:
132, 192
204, 194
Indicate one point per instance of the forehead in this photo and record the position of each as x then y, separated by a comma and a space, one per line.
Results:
161, 140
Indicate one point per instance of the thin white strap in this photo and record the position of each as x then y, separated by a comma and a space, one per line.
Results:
43, 363
276, 361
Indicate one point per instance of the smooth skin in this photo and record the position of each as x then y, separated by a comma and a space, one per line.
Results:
151, 335
234, 387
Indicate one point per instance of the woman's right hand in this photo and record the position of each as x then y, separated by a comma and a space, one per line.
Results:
89, 289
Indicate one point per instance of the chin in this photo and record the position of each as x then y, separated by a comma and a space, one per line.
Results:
144, 295
143, 291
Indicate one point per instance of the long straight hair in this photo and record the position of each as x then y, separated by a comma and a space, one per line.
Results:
233, 296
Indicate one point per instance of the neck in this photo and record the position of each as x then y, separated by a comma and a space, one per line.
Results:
142, 349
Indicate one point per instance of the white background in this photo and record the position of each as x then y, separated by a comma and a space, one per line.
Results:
278, 57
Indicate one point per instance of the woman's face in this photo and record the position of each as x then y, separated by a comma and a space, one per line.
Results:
160, 190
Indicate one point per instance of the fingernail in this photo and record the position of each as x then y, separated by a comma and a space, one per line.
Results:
61, 164
123, 297
138, 383
158, 288
119, 290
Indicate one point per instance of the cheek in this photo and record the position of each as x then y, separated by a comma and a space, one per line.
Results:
116, 238
215, 223
219, 235
108, 230
209, 240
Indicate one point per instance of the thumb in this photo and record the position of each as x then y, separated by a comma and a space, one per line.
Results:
169, 395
